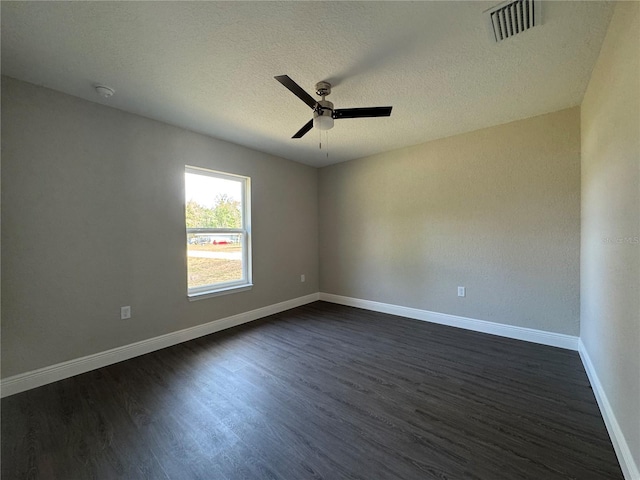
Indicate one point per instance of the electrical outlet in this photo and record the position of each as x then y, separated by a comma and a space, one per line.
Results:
125, 312
302, 278
462, 291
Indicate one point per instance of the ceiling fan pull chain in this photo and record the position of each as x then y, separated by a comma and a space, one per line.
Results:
327, 142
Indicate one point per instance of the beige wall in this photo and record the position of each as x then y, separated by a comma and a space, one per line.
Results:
93, 219
610, 266
496, 210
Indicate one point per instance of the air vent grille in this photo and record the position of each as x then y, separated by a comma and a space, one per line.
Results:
510, 18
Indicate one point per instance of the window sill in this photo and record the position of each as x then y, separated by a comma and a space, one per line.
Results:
216, 293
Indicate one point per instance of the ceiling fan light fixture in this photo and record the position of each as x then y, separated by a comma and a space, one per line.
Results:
323, 120
323, 115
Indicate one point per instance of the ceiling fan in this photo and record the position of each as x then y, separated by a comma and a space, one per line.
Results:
323, 111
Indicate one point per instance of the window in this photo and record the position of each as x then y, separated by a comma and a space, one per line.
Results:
218, 232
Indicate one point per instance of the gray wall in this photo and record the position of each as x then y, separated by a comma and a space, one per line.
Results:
610, 259
495, 210
93, 219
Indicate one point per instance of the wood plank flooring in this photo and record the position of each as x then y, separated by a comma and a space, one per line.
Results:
322, 391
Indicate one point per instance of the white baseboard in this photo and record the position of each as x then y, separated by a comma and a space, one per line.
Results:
36, 378
629, 467
560, 340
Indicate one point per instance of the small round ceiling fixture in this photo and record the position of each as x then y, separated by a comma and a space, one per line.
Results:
104, 91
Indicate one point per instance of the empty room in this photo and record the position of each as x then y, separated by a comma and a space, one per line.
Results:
320, 240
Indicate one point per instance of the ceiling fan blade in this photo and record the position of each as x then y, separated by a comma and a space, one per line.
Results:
308, 126
296, 90
362, 112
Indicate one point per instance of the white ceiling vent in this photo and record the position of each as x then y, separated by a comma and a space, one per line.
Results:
510, 18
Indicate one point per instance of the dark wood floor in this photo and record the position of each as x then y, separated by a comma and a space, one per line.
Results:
320, 391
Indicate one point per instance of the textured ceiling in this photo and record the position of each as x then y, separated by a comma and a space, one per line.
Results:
209, 66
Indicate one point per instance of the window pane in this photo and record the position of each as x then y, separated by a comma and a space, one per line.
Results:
217, 231
213, 202
214, 258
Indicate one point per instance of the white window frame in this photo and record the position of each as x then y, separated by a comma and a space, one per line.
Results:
222, 288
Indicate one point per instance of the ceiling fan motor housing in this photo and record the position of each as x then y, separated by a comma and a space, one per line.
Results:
323, 89
323, 115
